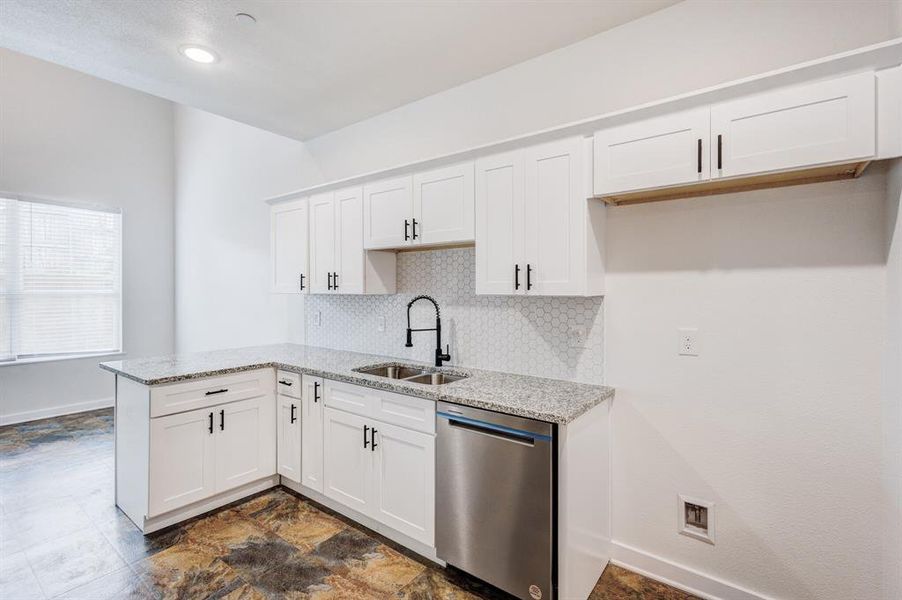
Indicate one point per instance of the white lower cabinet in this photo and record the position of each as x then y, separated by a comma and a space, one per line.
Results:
347, 459
403, 483
182, 460
288, 454
312, 432
200, 453
383, 470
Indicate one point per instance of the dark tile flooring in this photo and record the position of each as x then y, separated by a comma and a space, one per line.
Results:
61, 536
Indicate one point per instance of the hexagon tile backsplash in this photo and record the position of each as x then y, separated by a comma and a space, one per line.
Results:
519, 334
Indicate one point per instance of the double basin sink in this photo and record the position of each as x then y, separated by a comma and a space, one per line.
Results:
412, 373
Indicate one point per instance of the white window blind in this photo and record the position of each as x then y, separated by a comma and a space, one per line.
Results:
61, 283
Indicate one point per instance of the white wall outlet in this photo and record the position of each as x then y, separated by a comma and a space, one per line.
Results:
688, 341
380, 323
577, 336
318, 318
695, 518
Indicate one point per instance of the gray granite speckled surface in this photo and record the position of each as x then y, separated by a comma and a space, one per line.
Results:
551, 400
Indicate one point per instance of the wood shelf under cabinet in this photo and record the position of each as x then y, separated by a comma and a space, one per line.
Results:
741, 184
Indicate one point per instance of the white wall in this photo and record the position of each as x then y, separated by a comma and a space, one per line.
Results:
70, 136
779, 420
225, 170
691, 45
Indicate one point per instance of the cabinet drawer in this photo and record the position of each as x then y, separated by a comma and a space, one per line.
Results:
348, 397
288, 384
406, 411
200, 393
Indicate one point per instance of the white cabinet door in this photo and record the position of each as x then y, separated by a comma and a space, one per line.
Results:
387, 213
555, 201
404, 481
444, 205
499, 224
245, 442
826, 122
322, 242
349, 253
289, 438
182, 460
347, 459
657, 152
312, 433
288, 251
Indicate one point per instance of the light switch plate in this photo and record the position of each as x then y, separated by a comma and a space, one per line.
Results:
687, 338
380, 323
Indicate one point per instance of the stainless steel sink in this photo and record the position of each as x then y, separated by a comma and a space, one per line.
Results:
435, 378
392, 371
413, 374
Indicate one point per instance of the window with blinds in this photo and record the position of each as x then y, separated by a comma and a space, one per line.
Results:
60, 280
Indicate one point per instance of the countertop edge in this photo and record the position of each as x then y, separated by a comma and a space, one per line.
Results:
427, 393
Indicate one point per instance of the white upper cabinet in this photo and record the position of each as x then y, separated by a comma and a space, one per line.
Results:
820, 123
499, 223
388, 213
537, 230
663, 151
338, 262
443, 205
288, 252
555, 215
429, 208
322, 242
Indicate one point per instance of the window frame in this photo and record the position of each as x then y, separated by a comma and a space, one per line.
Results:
24, 359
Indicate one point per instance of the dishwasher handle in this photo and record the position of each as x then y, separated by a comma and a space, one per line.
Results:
508, 434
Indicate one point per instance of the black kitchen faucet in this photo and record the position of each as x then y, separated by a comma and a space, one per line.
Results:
439, 355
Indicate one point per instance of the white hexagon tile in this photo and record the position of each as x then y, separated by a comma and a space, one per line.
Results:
518, 334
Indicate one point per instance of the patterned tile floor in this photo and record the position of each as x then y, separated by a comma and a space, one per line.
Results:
62, 537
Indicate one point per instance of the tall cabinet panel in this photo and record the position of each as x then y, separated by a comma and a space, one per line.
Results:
312, 432
322, 242
349, 253
555, 207
288, 252
499, 224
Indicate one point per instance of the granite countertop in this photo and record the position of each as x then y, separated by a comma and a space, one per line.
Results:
551, 400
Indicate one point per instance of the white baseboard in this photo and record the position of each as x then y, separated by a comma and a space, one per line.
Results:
679, 576
55, 411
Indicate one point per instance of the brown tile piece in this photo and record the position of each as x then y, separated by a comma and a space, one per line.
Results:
292, 519
188, 571
617, 583
131, 544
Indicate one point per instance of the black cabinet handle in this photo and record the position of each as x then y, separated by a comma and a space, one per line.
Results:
719, 151
528, 276
516, 277
414, 229
293, 416
302, 282
285, 382
699, 155
373, 439
222, 420
329, 281
213, 393
316, 391
334, 281
365, 430
211, 423
406, 229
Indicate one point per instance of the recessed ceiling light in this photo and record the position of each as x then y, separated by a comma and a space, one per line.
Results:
245, 19
198, 54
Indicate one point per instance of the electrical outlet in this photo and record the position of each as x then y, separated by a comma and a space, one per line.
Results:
695, 518
688, 341
577, 337
318, 318
380, 323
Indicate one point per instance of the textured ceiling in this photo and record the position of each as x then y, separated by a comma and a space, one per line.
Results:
305, 67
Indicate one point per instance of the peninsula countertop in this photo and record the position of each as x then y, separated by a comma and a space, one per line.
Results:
552, 400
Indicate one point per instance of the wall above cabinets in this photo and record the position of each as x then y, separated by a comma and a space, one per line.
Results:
534, 205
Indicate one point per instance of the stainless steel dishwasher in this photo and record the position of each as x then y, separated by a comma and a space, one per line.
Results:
495, 501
